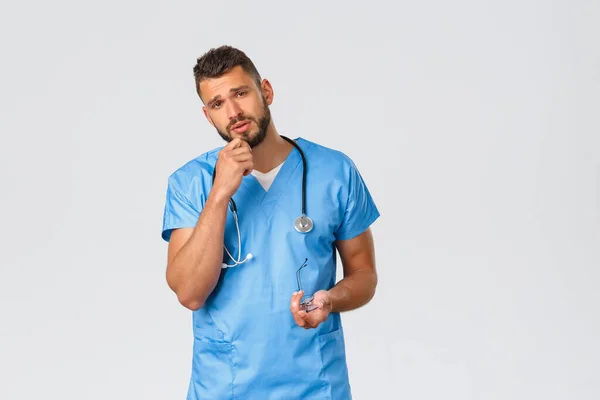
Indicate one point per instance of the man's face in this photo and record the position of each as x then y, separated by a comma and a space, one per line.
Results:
236, 107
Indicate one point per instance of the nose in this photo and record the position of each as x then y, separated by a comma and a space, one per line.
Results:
233, 110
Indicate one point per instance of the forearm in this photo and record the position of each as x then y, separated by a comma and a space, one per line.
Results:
195, 270
353, 291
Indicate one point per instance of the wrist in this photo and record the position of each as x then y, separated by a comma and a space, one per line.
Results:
339, 297
218, 198
331, 300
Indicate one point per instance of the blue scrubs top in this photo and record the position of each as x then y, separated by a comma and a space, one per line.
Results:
246, 343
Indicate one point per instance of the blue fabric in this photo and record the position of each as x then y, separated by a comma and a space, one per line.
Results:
246, 343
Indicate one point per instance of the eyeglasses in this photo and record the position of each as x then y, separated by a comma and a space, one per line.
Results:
306, 304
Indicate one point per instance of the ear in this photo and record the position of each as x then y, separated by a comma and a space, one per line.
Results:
267, 91
205, 110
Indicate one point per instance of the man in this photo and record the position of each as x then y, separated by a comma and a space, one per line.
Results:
256, 334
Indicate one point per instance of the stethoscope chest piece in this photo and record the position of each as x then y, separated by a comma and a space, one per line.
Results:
303, 224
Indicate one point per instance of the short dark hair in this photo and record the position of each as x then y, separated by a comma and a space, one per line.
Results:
218, 61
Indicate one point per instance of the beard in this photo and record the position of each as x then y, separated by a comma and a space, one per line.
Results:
253, 139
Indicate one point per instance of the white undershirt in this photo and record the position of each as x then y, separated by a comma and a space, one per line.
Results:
266, 179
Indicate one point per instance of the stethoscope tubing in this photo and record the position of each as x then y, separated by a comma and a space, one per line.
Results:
293, 143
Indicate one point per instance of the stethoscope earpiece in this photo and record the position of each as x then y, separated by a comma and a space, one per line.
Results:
236, 263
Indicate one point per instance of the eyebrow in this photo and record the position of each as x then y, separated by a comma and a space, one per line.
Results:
232, 90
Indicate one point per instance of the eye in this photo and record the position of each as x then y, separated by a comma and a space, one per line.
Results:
241, 93
216, 104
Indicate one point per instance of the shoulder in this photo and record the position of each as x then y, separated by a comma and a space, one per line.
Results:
328, 160
195, 171
331, 157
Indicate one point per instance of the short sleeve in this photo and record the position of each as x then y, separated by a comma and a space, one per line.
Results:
179, 212
360, 211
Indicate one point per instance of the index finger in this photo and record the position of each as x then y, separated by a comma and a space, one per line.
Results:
295, 308
295, 302
235, 143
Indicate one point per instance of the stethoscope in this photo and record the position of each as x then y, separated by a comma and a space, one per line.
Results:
302, 224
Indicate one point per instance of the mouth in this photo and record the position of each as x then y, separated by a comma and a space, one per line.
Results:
241, 127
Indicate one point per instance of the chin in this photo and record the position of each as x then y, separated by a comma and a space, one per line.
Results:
247, 136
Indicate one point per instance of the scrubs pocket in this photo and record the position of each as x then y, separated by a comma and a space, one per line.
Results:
213, 369
335, 370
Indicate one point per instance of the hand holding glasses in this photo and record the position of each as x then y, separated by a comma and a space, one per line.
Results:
306, 303
310, 312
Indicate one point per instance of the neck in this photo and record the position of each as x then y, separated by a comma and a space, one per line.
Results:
272, 151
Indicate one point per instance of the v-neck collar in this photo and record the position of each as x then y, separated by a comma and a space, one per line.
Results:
267, 200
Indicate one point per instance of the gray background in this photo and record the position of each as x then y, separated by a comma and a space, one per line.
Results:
476, 127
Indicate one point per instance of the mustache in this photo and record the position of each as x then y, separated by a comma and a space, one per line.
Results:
240, 119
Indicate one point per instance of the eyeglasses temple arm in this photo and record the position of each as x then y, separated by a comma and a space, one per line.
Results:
298, 274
